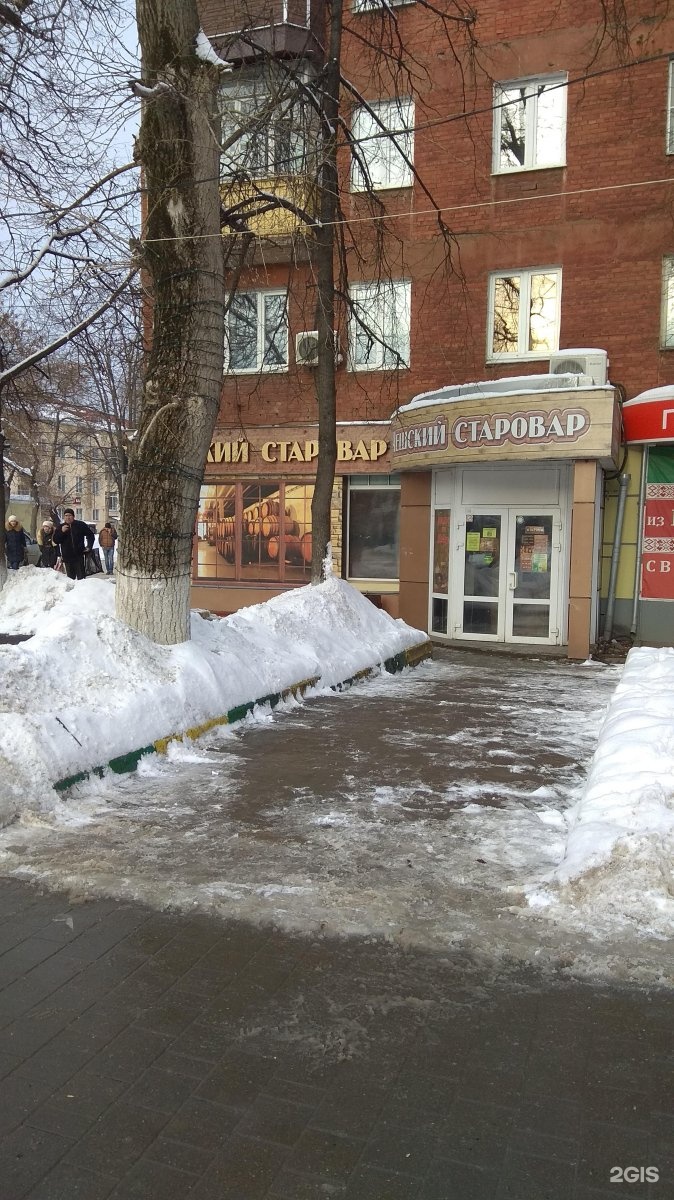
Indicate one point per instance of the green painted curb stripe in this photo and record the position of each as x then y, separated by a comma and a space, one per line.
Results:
128, 762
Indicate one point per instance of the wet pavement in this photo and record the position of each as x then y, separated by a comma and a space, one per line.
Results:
348, 997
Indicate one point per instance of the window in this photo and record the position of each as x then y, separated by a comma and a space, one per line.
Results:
111, 501
368, 5
257, 332
78, 453
61, 483
79, 484
94, 487
257, 531
373, 527
78, 514
379, 161
530, 124
380, 325
95, 514
671, 109
667, 321
270, 133
61, 450
524, 310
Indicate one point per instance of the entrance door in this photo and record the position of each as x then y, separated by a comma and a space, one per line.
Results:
510, 572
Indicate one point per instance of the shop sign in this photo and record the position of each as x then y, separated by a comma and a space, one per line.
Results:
522, 428
292, 451
657, 559
431, 436
650, 418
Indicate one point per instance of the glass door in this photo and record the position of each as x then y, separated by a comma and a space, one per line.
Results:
509, 561
482, 576
531, 577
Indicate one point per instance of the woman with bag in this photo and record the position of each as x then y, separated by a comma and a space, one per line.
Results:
49, 551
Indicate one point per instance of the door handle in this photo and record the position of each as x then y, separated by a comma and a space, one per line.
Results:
512, 580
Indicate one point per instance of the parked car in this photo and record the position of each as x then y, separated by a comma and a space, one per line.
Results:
32, 552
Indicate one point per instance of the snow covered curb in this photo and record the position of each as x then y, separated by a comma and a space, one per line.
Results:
629, 795
85, 691
128, 762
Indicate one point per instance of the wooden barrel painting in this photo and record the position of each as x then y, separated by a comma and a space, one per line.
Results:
270, 526
273, 548
305, 543
229, 549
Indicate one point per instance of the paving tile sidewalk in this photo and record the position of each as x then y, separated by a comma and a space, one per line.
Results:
147, 1055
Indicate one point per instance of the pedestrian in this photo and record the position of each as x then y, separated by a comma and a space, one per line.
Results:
106, 540
49, 551
16, 540
73, 538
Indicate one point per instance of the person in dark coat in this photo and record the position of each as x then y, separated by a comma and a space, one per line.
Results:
16, 540
73, 538
49, 551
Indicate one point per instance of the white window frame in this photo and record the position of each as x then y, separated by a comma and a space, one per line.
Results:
531, 86
522, 353
670, 109
369, 5
261, 367
386, 159
400, 291
667, 308
61, 483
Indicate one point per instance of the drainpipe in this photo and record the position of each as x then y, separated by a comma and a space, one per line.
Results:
615, 556
640, 540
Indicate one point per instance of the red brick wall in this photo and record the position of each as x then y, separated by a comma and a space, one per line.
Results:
609, 243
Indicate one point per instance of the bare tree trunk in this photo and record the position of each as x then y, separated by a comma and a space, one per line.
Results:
324, 258
179, 152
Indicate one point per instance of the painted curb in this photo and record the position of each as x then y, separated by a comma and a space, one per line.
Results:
128, 762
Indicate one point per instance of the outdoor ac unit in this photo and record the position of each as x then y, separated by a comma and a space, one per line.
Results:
593, 363
306, 348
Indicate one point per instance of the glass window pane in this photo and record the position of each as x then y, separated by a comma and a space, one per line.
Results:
439, 615
296, 528
482, 557
242, 327
543, 313
506, 314
668, 320
441, 551
533, 550
374, 519
512, 128
216, 542
480, 618
550, 119
531, 620
275, 331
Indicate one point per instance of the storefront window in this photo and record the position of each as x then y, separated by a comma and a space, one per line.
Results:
254, 532
373, 525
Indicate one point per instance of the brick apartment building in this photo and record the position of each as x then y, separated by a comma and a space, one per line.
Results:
482, 461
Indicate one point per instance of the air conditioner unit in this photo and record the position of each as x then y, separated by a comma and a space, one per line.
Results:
593, 363
306, 348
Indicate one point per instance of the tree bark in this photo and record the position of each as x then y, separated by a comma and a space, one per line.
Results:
324, 259
179, 154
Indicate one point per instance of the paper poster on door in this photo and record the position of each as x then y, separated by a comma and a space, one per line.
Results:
472, 542
534, 549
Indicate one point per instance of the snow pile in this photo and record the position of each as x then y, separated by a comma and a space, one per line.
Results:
619, 854
85, 688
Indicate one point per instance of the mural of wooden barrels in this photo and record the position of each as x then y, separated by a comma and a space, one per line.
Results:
230, 546
270, 526
270, 508
305, 543
293, 549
